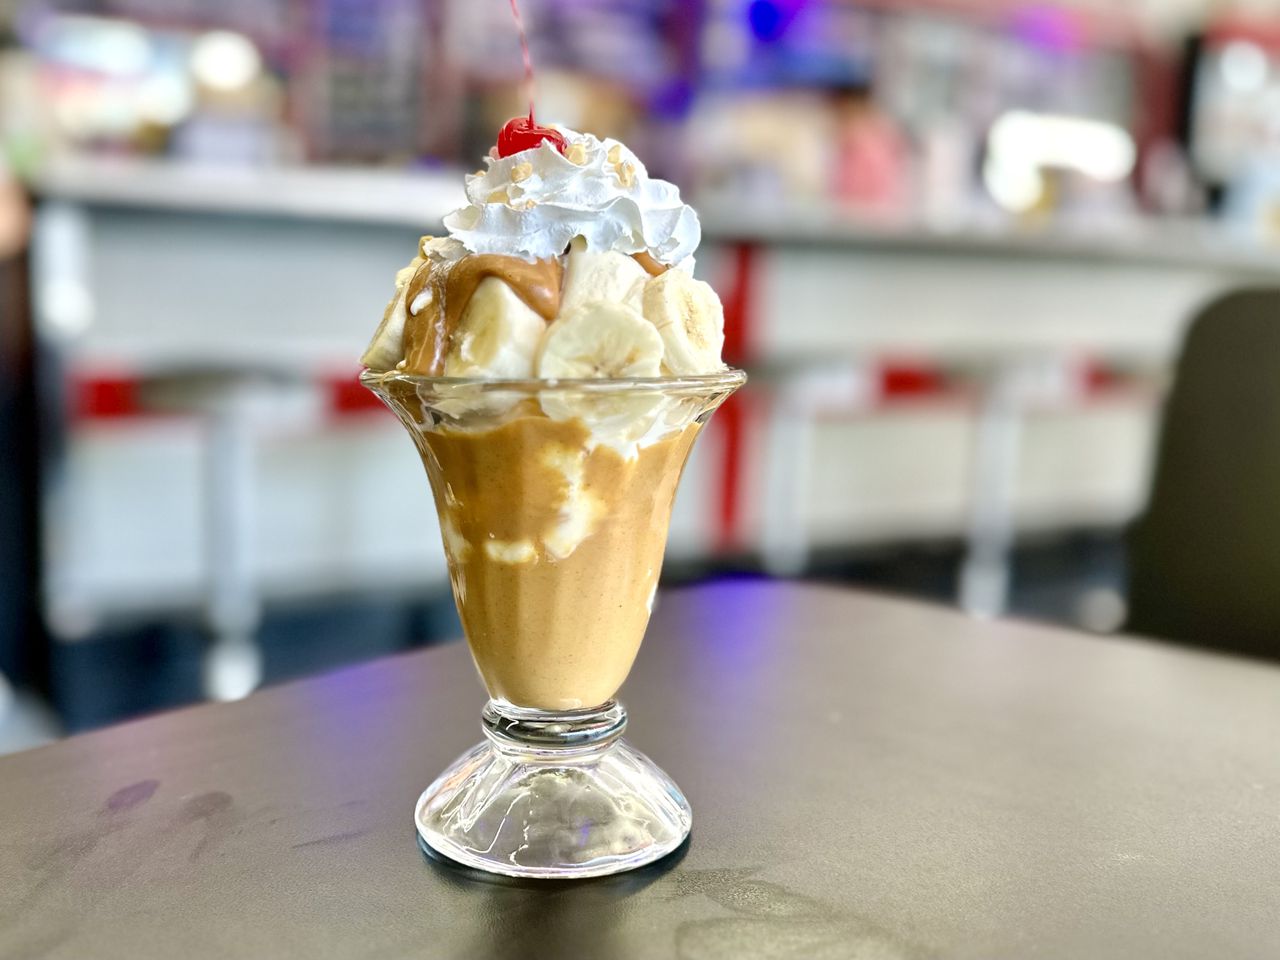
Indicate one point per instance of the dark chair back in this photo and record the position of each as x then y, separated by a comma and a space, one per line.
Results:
1205, 558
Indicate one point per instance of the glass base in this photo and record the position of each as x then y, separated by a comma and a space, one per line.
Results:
553, 795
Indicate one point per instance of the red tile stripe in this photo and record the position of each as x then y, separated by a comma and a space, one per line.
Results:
348, 395
899, 379
738, 294
105, 398
113, 395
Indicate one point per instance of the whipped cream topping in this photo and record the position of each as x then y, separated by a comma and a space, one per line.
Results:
532, 203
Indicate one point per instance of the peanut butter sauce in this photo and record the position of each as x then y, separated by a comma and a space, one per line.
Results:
547, 631
427, 336
653, 267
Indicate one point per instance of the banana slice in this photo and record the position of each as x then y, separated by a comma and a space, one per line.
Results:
386, 349
601, 340
442, 249
497, 337
590, 275
688, 315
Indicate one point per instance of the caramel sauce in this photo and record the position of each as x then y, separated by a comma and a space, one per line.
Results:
654, 268
428, 335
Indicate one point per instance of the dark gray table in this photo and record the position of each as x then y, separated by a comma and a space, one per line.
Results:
870, 778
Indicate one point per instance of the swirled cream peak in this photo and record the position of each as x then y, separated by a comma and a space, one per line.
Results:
532, 203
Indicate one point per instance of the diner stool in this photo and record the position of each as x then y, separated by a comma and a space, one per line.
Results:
233, 402
1012, 386
798, 393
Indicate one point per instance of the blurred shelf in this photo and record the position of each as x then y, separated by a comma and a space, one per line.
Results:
1149, 241
420, 199
361, 195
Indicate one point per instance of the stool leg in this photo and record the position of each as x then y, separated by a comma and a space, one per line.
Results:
784, 537
985, 573
233, 662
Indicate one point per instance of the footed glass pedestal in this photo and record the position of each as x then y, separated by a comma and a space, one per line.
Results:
553, 795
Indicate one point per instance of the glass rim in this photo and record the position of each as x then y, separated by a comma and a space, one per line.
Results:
730, 377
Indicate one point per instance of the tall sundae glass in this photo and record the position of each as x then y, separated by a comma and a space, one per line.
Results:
554, 361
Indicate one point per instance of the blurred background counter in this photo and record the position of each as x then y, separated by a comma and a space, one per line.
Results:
958, 245
874, 348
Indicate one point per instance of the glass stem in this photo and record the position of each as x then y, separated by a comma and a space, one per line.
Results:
553, 736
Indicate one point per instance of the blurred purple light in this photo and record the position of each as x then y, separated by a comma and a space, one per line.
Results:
673, 100
769, 19
1051, 28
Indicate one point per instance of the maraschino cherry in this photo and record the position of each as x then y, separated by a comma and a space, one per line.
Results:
523, 133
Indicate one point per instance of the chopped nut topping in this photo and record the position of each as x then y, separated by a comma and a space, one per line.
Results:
615, 153
498, 196
627, 173
576, 152
521, 171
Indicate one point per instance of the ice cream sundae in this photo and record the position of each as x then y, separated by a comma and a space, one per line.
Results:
554, 358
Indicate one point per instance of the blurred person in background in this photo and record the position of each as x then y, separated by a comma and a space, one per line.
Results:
15, 214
